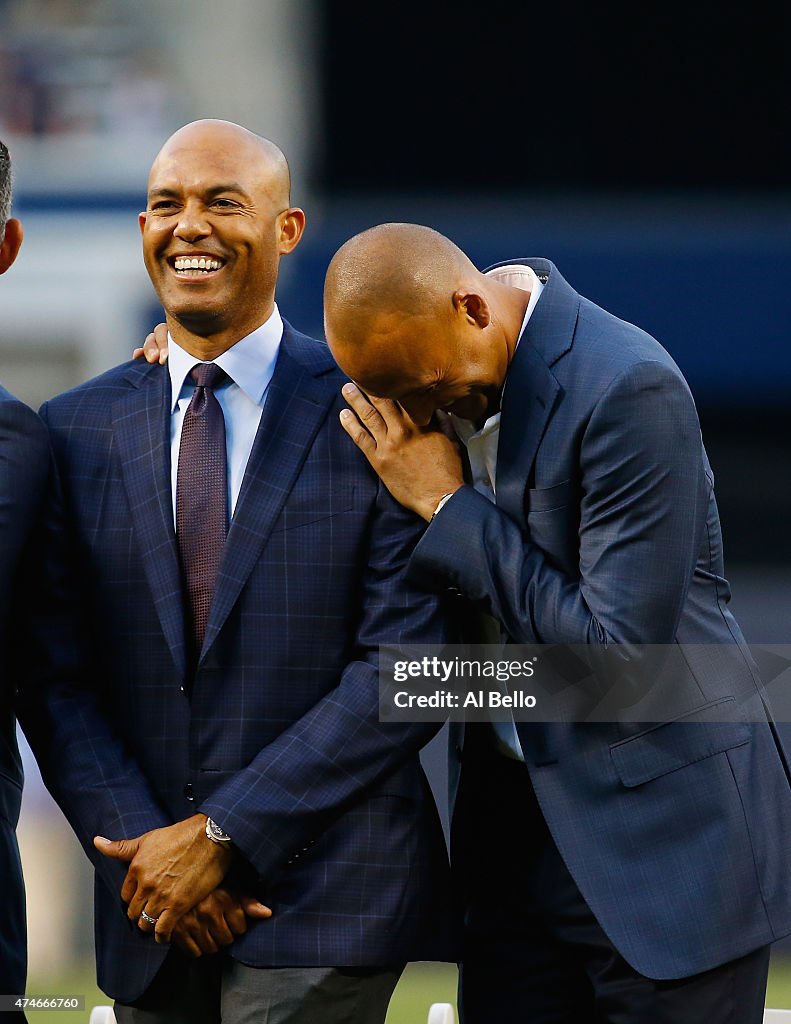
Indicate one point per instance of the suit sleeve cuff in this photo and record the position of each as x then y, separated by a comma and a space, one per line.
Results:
248, 838
441, 557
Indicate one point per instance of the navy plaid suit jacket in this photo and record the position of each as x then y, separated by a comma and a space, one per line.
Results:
24, 457
279, 739
606, 531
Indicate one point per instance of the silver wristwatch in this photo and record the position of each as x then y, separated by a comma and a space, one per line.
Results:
442, 503
215, 833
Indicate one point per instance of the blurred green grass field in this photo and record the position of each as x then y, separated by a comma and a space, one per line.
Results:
778, 993
421, 985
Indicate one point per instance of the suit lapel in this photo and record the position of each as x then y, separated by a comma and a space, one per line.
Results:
297, 404
141, 429
531, 389
531, 393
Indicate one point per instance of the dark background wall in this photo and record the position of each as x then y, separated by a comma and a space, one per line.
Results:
573, 94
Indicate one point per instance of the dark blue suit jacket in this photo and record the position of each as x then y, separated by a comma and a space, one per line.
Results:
280, 740
24, 456
606, 531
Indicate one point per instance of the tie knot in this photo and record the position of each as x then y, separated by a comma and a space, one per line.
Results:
208, 375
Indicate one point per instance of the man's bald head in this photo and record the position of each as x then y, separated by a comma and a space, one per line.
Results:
215, 136
392, 270
409, 317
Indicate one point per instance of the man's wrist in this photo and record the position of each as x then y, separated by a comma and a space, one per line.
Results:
442, 503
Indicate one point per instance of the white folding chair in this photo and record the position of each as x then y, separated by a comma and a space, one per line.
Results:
777, 1017
441, 1013
102, 1015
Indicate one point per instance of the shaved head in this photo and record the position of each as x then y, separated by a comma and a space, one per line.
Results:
409, 317
224, 136
392, 270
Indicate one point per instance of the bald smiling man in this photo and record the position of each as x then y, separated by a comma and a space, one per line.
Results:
265, 850
614, 872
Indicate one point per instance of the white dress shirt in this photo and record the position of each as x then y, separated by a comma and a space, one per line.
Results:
481, 448
250, 364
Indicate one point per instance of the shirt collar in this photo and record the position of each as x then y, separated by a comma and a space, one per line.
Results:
519, 275
250, 363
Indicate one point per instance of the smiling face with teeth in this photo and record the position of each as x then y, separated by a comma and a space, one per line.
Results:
216, 223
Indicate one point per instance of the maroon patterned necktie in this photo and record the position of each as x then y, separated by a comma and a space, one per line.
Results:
201, 499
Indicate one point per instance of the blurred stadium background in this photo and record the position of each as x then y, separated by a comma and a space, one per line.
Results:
647, 154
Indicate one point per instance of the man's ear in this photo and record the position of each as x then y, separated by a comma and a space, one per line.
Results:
12, 239
141, 220
291, 226
473, 306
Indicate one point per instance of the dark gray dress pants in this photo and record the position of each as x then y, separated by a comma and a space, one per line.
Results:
217, 989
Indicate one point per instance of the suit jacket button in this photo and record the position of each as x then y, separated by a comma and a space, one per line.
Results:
188, 791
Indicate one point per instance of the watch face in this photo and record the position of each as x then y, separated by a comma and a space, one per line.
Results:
214, 832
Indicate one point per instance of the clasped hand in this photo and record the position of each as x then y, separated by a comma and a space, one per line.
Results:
175, 878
